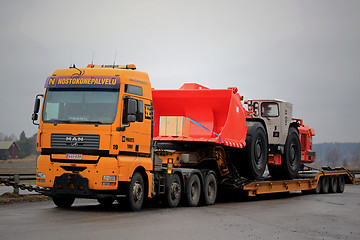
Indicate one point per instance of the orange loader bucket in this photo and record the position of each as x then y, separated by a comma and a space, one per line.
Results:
213, 115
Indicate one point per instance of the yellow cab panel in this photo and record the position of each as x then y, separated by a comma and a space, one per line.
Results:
83, 129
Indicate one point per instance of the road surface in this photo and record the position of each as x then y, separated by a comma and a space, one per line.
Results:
292, 216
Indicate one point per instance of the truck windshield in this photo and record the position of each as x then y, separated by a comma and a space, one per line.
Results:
80, 106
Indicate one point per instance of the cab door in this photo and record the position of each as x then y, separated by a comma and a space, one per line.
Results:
131, 124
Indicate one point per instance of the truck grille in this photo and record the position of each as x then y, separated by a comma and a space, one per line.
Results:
75, 141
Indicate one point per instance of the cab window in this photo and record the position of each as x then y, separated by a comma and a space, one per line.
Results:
269, 109
133, 89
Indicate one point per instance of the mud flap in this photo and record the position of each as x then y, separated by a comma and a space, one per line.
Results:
71, 184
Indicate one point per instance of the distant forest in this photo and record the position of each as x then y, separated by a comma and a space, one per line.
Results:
337, 155
327, 154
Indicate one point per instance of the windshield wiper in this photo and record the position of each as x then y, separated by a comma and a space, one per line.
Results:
59, 121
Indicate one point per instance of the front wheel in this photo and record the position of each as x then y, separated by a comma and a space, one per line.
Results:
63, 202
256, 152
135, 196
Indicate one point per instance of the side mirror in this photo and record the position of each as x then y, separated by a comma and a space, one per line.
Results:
37, 105
132, 106
35, 115
131, 118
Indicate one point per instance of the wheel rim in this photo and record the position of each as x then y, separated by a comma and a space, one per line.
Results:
137, 192
175, 190
292, 155
258, 152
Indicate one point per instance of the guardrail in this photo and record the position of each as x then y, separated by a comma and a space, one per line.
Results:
17, 178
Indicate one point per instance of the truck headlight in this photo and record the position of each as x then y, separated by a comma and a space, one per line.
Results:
109, 178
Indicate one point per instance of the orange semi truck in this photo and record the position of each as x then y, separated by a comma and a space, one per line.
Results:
104, 133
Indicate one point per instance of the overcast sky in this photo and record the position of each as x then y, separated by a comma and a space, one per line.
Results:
305, 52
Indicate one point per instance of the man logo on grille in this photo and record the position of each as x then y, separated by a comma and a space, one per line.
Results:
74, 141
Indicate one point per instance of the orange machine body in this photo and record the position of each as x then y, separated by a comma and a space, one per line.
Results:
214, 115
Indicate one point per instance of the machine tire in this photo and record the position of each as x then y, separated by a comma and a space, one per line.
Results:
341, 184
255, 152
325, 185
193, 190
63, 202
173, 190
292, 156
136, 193
210, 189
333, 184
106, 201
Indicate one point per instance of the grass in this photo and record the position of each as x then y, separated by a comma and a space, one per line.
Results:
8, 198
19, 166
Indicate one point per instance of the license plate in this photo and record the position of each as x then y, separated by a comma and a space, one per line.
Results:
74, 156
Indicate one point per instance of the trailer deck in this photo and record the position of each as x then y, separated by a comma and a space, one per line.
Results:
307, 181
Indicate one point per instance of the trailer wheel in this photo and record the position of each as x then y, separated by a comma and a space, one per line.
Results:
173, 190
63, 202
318, 187
256, 152
210, 189
333, 184
341, 184
193, 191
324, 185
106, 201
292, 155
135, 196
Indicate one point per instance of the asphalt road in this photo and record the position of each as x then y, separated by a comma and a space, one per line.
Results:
291, 216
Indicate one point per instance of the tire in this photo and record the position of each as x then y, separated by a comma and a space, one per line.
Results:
341, 184
193, 191
333, 184
136, 193
318, 188
63, 202
210, 189
290, 163
106, 201
324, 185
173, 190
256, 152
